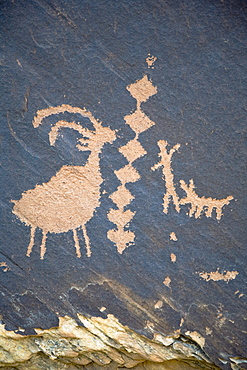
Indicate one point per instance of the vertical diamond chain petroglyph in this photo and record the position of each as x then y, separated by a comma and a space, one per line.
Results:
139, 122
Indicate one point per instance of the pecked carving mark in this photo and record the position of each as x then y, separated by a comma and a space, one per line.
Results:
150, 60
217, 276
4, 266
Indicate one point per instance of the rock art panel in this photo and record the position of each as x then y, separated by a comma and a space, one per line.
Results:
68, 201
122, 183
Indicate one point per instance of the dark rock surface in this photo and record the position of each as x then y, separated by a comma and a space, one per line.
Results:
84, 54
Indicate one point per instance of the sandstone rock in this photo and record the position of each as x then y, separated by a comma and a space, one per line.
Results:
122, 238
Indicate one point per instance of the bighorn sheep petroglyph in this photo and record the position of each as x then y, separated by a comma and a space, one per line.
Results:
69, 199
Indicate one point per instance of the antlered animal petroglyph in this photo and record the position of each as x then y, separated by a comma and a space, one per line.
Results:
198, 205
69, 199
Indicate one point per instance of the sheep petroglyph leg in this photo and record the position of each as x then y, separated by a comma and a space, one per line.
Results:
77, 245
31, 243
43, 245
87, 240
139, 122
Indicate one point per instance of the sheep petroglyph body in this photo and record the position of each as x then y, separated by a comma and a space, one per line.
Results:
69, 199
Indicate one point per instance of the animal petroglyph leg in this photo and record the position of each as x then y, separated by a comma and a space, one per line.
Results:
42, 246
220, 204
77, 245
87, 241
31, 243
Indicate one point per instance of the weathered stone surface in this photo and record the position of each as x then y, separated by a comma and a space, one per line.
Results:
102, 342
122, 183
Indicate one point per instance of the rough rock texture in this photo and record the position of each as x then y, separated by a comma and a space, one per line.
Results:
101, 342
122, 169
